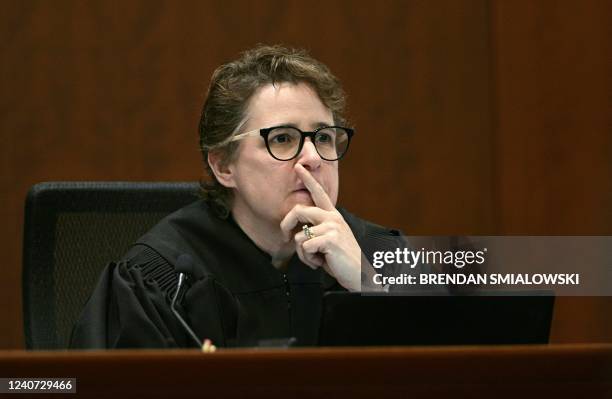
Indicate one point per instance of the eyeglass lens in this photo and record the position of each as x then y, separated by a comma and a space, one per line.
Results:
331, 143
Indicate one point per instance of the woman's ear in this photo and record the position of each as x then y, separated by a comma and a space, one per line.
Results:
221, 169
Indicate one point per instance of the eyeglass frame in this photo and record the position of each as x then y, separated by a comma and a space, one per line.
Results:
265, 132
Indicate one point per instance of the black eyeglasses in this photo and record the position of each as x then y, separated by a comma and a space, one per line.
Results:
285, 142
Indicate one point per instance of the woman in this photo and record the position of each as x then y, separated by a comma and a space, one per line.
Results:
266, 241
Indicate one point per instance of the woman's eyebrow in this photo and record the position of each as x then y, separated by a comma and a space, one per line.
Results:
295, 125
322, 124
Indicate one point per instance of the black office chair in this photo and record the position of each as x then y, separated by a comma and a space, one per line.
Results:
72, 230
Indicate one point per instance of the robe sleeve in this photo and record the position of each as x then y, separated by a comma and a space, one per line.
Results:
130, 307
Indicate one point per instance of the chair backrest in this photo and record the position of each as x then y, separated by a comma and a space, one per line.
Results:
72, 230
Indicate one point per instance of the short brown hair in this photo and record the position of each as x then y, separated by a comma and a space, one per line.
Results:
231, 87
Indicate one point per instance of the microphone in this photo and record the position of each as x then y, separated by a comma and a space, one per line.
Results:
184, 267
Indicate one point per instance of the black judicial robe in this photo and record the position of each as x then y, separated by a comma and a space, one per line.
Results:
235, 296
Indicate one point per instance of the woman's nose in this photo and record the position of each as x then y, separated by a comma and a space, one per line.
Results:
309, 157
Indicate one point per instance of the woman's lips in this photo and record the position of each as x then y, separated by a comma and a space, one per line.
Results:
303, 193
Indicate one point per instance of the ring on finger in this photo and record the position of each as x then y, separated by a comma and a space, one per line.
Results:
307, 232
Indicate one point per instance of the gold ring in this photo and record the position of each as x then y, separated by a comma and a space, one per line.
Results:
309, 234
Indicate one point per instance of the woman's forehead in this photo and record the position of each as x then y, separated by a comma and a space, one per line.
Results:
288, 103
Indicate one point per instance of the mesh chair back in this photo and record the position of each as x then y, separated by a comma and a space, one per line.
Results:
72, 230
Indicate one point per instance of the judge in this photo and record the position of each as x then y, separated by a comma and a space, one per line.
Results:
267, 240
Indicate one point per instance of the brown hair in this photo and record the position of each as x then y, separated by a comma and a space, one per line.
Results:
231, 87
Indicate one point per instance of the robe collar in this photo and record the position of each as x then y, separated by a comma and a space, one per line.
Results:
221, 250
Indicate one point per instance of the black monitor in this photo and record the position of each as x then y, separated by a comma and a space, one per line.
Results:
352, 319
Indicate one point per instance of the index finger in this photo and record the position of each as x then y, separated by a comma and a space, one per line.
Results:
319, 196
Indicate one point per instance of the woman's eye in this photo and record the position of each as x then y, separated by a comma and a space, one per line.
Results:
281, 139
324, 138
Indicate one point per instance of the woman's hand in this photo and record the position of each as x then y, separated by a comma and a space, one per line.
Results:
333, 245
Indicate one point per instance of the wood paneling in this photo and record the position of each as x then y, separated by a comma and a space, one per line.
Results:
551, 67
537, 371
554, 147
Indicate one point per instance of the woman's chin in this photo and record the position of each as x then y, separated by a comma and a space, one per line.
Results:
297, 198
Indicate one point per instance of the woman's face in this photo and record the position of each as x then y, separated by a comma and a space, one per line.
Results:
266, 189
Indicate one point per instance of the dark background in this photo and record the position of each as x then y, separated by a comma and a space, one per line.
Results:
472, 117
